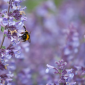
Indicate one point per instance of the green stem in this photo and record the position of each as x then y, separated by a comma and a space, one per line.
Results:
3, 34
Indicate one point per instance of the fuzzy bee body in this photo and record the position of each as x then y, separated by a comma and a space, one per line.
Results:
25, 36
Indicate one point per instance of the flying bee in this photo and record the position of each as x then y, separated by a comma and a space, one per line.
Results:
25, 35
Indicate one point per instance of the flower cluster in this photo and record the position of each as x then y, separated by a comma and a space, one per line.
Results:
72, 44
11, 22
64, 76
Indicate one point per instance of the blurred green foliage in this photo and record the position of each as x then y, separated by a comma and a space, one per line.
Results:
32, 4
58, 2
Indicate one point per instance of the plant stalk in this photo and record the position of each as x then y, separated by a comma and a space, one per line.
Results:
3, 34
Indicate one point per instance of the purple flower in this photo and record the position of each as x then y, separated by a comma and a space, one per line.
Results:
11, 28
17, 15
60, 71
3, 77
2, 51
2, 67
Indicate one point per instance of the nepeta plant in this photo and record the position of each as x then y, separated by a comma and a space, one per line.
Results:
69, 73
63, 75
11, 21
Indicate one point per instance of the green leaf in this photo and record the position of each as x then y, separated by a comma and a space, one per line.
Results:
2, 15
2, 29
3, 47
5, 35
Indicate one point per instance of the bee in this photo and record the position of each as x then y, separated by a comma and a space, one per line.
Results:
25, 35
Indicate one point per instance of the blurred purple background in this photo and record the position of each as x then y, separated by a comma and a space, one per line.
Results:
57, 32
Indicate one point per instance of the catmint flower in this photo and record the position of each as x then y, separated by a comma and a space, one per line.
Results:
60, 70
69, 76
2, 52
3, 77
2, 67
17, 15
10, 21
